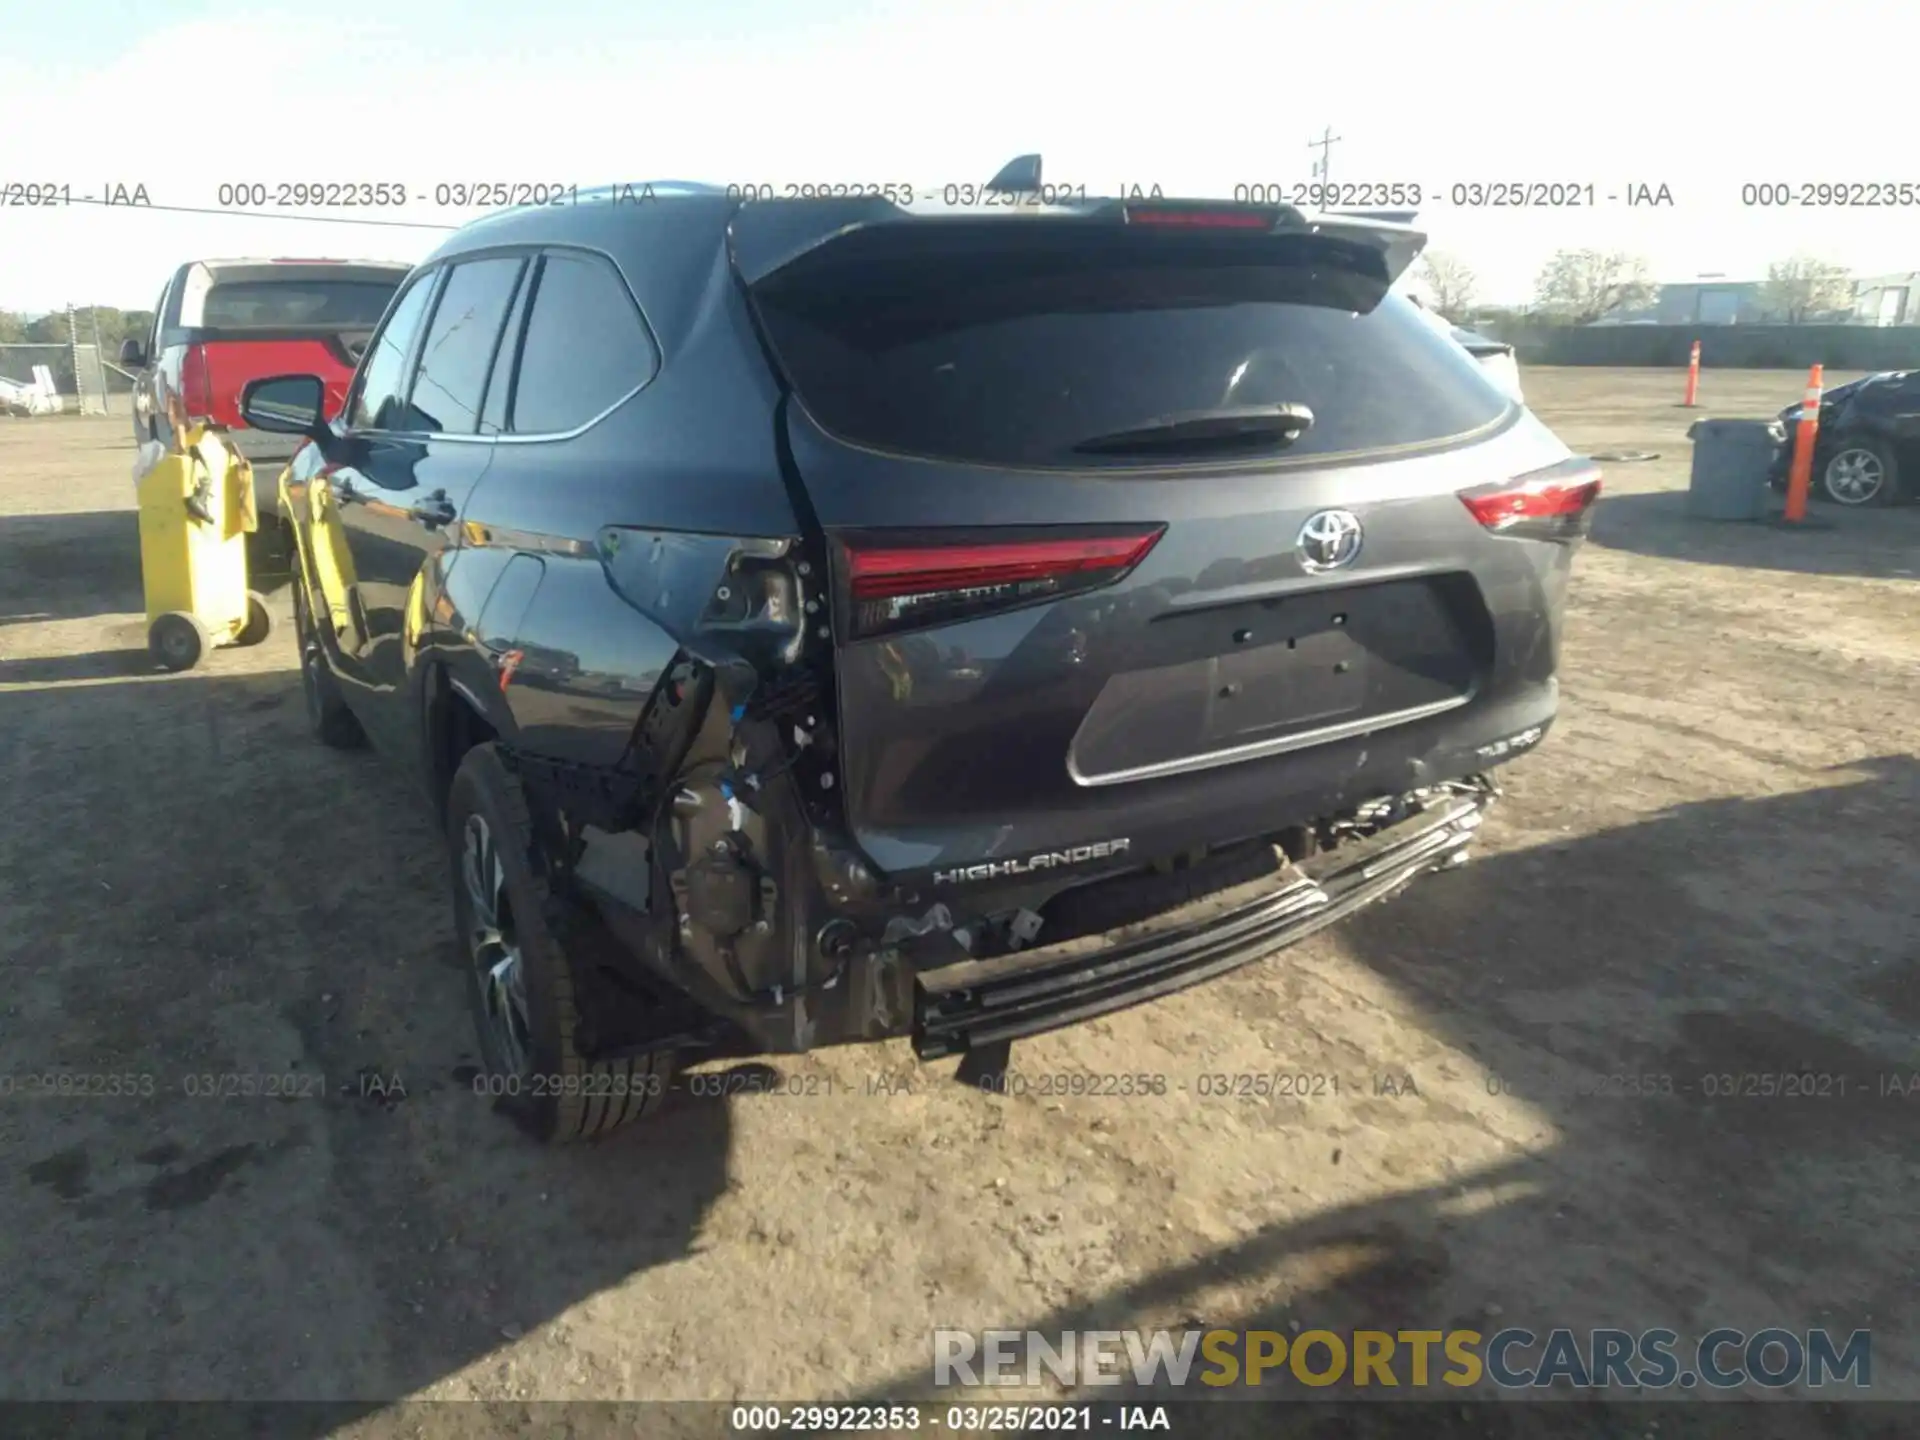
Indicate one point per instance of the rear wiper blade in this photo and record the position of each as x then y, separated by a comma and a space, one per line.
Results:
1239, 426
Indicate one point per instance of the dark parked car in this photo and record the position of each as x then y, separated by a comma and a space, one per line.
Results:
1867, 449
221, 323
825, 620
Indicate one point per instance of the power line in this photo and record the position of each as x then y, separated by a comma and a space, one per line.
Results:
257, 214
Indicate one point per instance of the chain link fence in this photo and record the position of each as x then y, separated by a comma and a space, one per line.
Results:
59, 366
90, 379
61, 379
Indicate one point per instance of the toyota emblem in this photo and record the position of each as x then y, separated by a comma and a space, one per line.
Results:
1329, 540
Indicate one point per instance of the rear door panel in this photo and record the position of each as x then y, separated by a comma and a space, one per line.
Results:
400, 497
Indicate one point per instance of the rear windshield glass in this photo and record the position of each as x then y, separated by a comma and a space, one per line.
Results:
1012, 353
272, 304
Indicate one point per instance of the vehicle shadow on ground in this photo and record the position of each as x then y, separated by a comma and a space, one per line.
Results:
67, 567
1878, 545
1547, 971
61, 567
97, 665
385, 1231
322, 1201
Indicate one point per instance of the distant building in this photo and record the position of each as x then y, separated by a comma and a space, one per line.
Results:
1714, 302
1706, 301
1884, 300
1887, 299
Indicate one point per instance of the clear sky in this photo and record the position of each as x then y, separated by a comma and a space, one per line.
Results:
182, 96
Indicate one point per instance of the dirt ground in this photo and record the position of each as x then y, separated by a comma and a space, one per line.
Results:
1712, 867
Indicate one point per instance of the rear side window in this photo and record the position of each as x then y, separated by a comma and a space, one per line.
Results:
274, 305
379, 398
493, 419
458, 351
586, 346
1007, 351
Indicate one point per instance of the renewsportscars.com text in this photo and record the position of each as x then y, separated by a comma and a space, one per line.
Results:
1512, 1358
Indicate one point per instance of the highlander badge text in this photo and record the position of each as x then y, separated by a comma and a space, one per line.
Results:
1045, 860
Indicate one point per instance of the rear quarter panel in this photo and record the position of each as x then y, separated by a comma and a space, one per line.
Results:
586, 665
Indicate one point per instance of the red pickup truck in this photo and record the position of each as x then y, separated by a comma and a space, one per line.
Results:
221, 323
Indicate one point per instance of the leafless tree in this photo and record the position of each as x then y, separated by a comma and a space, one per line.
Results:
1804, 286
1451, 282
1580, 286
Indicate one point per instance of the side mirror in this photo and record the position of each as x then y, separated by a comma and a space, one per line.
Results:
133, 355
286, 405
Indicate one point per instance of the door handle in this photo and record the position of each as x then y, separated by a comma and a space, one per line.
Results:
433, 512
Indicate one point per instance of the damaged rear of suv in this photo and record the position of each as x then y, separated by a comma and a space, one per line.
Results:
822, 621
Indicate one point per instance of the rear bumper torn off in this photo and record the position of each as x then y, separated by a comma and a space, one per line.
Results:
974, 1003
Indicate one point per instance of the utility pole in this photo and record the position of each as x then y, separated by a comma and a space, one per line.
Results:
1324, 145
100, 361
73, 359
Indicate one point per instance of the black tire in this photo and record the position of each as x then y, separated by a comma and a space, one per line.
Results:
259, 621
178, 641
1853, 458
328, 717
526, 1030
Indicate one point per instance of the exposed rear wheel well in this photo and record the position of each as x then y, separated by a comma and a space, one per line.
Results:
453, 727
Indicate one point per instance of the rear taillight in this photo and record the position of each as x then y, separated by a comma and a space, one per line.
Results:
1551, 504
893, 584
196, 385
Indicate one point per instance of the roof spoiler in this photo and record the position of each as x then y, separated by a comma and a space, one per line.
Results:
768, 238
1389, 217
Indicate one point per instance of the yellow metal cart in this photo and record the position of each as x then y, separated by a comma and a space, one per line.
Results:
196, 511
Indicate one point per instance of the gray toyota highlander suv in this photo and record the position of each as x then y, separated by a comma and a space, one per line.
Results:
828, 619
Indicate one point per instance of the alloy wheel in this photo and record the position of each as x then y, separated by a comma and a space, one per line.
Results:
1855, 476
493, 946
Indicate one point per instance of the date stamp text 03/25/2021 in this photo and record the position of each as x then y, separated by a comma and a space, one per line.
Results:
371, 196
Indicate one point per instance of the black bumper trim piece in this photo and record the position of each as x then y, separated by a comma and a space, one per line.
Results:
1030, 992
